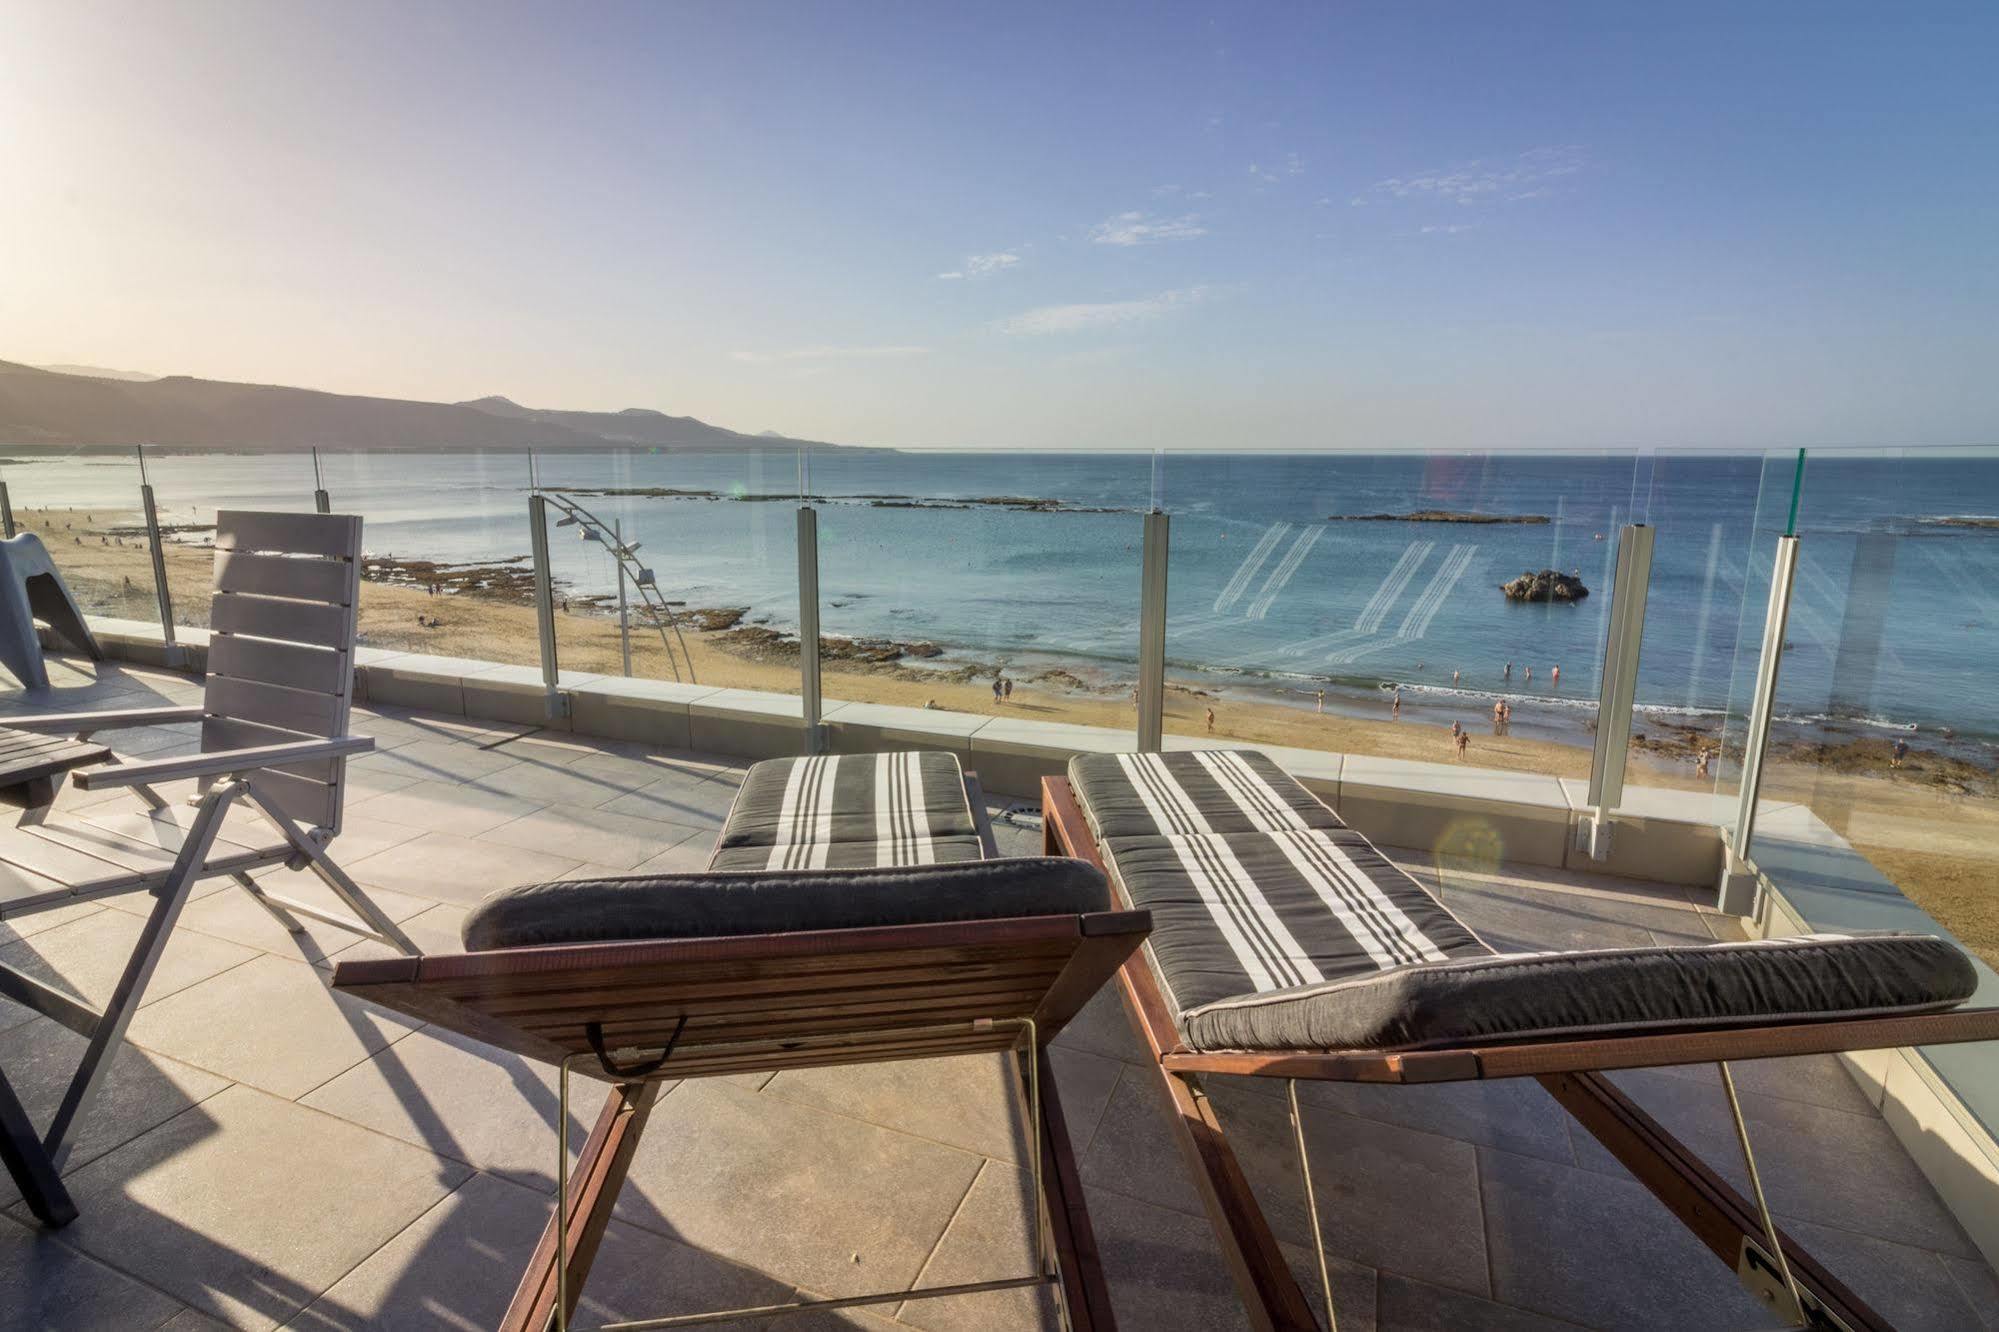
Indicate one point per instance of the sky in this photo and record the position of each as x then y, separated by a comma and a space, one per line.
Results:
1213, 226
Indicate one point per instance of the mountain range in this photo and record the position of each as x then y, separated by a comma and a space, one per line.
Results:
82, 406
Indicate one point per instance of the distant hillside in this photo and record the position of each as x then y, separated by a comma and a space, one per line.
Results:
633, 425
43, 407
99, 372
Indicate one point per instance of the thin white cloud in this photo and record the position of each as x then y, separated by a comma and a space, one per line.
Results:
1080, 318
1140, 229
829, 354
1450, 229
1261, 174
982, 266
1531, 174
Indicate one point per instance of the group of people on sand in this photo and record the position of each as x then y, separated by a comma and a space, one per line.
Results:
1002, 688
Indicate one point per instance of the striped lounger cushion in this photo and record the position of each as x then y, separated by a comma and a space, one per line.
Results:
1277, 927
844, 811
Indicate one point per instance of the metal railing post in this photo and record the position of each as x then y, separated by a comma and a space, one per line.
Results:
1152, 633
6, 512
808, 625
321, 502
1617, 689
1738, 891
624, 618
159, 553
544, 605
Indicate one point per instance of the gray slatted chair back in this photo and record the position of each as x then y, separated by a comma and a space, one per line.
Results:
281, 648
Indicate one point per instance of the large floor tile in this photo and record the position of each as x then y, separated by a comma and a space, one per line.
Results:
463, 1100
44, 1283
435, 761
1513, 1113
271, 1023
820, 1200
990, 1239
1389, 1197
458, 869
142, 1089
438, 806
246, 1207
457, 1266
1417, 1306
240, 918
968, 1101
551, 783
1818, 1164
1601, 1251
1163, 1271
608, 839
85, 958
679, 798
436, 930
1910, 1288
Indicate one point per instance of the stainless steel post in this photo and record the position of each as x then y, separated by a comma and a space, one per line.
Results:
808, 625
1617, 690
321, 502
6, 512
544, 605
624, 619
1738, 885
1152, 633
159, 554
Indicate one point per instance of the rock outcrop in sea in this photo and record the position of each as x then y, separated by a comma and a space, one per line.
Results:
1547, 585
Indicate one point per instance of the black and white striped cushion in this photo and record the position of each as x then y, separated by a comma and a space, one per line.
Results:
1198, 791
1276, 927
847, 810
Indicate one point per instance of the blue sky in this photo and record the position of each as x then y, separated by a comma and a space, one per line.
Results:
1456, 226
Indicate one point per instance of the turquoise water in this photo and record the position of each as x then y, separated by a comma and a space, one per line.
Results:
1895, 621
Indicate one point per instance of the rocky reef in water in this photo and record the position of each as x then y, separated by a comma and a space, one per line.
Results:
1440, 516
1547, 585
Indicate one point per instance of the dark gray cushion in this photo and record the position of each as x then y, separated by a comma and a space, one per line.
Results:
712, 905
1600, 992
1188, 792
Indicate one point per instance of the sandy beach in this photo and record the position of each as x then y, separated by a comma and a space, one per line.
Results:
1930, 825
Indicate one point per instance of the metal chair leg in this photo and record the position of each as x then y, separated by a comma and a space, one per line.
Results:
1312, 1205
1796, 1313
109, 1031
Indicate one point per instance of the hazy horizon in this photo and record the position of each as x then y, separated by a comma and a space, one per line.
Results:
1265, 228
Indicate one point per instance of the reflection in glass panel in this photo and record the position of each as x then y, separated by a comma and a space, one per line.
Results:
702, 547
1365, 603
85, 506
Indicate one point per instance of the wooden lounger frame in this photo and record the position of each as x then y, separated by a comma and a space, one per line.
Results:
766, 1003
1571, 1070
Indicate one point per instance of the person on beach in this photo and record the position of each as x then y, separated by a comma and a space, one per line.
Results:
1499, 716
1211, 720
1464, 743
1007, 694
1396, 709
1700, 763
1901, 752
999, 691
1322, 697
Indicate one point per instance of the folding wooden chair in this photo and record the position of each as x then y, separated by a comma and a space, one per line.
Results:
1190, 834
274, 737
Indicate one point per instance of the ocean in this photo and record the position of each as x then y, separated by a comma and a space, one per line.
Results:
1895, 621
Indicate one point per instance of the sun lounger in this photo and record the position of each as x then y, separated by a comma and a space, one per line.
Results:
855, 911
274, 741
1284, 945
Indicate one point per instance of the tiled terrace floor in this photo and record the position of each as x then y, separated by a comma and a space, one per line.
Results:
271, 1154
